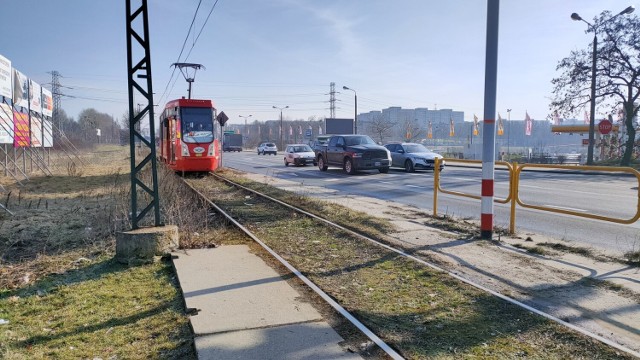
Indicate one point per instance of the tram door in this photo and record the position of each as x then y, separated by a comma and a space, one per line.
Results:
173, 141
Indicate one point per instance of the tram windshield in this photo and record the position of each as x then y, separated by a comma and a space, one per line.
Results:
197, 124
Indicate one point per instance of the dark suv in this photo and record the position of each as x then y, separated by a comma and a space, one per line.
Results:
353, 153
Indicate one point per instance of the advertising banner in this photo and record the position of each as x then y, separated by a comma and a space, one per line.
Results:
6, 124
21, 129
36, 130
47, 102
5, 77
20, 89
35, 97
47, 127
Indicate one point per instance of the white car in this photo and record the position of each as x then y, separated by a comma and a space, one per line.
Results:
267, 148
299, 154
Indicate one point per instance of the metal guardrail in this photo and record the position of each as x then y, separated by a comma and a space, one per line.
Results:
514, 192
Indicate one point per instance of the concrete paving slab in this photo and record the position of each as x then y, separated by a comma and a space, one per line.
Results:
309, 341
236, 290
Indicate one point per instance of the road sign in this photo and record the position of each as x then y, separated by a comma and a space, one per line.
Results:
307, 133
222, 118
585, 142
605, 127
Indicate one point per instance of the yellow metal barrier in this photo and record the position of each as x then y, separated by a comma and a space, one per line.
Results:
437, 188
575, 213
514, 184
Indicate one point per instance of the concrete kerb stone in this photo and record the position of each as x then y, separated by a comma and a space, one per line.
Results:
142, 245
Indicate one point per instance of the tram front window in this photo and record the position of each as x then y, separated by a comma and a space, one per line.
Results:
197, 125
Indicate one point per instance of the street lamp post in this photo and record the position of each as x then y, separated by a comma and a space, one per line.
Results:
509, 134
245, 123
355, 112
281, 127
592, 119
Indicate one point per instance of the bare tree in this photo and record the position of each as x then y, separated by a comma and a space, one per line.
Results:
617, 72
380, 128
412, 129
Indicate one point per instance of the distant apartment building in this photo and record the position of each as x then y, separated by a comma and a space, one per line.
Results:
396, 114
412, 122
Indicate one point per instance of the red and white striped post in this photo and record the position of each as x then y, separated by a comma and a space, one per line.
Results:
489, 124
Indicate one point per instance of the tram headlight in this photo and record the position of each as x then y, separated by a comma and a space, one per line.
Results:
211, 150
185, 149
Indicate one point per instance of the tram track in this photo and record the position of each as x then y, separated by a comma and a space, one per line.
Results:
391, 253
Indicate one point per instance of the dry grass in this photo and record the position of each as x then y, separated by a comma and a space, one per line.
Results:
61, 291
420, 312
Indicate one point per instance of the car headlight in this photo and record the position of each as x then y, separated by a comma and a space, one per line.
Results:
185, 149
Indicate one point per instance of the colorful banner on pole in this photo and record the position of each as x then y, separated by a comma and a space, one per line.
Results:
21, 129
452, 129
429, 132
476, 131
528, 124
500, 126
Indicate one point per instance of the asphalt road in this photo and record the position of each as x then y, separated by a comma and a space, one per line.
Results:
605, 195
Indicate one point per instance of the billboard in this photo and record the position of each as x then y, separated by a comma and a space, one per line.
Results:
20, 89
47, 126
47, 102
338, 126
36, 130
35, 97
6, 124
20, 129
5, 77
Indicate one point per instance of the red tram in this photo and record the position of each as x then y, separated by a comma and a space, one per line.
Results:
187, 141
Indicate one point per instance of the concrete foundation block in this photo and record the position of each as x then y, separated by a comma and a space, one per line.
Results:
142, 245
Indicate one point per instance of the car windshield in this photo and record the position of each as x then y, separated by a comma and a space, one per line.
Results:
305, 148
359, 140
415, 148
269, 145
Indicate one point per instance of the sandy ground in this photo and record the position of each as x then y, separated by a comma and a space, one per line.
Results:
601, 297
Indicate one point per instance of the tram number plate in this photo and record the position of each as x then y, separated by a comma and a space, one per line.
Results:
198, 154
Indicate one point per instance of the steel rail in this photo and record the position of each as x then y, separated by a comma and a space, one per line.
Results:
365, 330
418, 260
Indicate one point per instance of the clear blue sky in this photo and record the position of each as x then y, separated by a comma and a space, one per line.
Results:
409, 53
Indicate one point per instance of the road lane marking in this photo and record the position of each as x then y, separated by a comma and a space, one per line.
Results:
566, 208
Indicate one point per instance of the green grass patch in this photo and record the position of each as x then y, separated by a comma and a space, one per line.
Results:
103, 310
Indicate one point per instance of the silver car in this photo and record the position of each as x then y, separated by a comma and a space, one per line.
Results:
412, 157
267, 148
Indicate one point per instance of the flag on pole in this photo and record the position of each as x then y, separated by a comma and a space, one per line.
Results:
270, 132
528, 124
475, 125
300, 129
500, 126
248, 131
290, 130
319, 130
429, 132
586, 117
259, 131
452, 129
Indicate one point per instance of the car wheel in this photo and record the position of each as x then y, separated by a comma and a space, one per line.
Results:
348, 166
321, 164
384, 170
408, 166
286, 163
